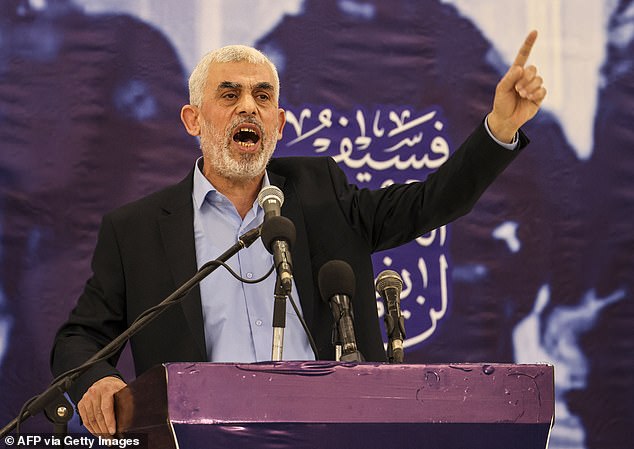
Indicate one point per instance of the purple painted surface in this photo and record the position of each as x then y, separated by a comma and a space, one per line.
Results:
326, 392
298, 404
361, 436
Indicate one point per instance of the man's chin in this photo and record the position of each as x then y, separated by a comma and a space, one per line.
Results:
245, 170
240, 166
244, 177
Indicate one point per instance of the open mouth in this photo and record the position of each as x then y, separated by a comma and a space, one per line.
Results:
246, 135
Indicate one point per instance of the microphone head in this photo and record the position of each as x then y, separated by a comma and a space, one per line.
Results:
277, 228
270, 196
388, 279
336, 278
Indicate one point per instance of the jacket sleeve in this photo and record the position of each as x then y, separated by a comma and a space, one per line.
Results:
97, 319
397, 214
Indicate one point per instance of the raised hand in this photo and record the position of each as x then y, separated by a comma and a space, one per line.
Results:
518, 95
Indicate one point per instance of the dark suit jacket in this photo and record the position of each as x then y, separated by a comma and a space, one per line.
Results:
146, 249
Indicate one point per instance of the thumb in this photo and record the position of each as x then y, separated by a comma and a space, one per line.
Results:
514, 74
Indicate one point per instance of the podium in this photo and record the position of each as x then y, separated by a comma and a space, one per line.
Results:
339, 405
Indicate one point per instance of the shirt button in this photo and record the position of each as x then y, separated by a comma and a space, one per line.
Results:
258, 322
249, 275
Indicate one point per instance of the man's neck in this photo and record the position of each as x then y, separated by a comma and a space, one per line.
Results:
242, 193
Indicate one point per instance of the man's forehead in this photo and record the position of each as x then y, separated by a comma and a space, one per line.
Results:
244, 73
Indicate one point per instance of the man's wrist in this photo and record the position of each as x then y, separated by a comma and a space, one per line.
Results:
504, 139
499, 130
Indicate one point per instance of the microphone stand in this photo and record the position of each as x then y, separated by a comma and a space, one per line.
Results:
279, 321
59, 412
395, 329
63, 383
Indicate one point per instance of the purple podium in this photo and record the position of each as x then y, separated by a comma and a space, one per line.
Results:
340, 405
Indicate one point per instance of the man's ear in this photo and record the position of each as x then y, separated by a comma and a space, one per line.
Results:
190, 118
282, 122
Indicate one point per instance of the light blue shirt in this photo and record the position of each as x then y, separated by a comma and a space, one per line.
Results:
237, 316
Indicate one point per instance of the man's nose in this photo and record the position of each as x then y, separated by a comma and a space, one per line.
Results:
247, 105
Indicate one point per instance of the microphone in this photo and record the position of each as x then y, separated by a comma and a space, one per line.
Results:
278, 235
271, 199
336, 284
389, 285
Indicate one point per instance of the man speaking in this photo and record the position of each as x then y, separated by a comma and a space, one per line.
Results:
148, 248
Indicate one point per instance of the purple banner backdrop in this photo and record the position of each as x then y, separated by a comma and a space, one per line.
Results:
541, 270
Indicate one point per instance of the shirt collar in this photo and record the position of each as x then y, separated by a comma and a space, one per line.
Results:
203, 187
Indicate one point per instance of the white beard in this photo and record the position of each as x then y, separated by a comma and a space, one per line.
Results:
242, 167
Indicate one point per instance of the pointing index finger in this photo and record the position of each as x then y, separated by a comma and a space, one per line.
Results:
525, 50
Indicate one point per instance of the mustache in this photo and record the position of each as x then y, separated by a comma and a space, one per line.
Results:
242, 120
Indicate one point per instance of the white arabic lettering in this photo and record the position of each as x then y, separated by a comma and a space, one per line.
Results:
401, 123
434, 314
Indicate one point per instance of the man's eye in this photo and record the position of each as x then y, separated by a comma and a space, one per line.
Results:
263, 97
230, 96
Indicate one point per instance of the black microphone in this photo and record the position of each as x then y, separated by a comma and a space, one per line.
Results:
278, 235
271, 199
389, 285
336, 284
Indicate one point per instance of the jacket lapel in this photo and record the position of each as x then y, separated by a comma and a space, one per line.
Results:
177, 231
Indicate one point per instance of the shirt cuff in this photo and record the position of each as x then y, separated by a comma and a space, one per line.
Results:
509, 146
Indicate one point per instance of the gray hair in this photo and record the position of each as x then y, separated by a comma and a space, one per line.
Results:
230, 53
